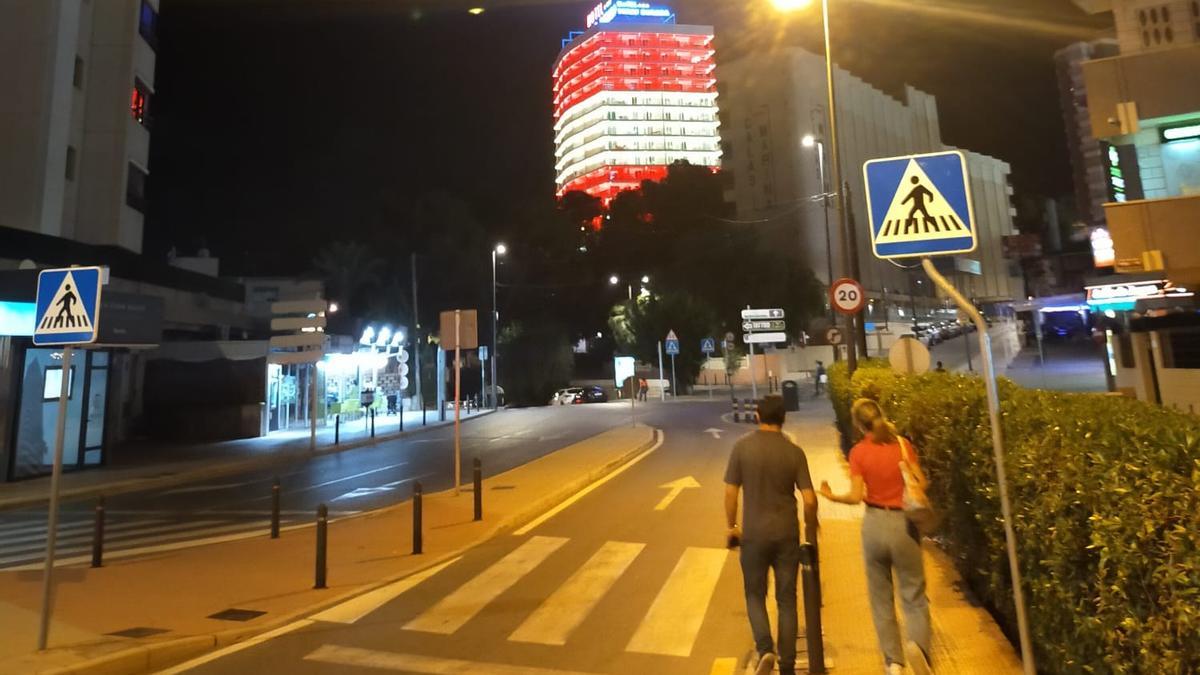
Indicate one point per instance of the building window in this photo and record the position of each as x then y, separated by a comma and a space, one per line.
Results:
1154, 14
77, 77
135, 188
1169, 34
148, 25
1180, 348
70, 163
1145, 38
1196, 8
139, 103
1166, 14
1142, 16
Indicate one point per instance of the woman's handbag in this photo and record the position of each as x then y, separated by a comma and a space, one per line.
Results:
917, 507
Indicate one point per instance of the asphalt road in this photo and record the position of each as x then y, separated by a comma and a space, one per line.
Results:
365, 478
628, 579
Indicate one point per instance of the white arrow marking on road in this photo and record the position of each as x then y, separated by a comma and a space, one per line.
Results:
716, 433
675, 488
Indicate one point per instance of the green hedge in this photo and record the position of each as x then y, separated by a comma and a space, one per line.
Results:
1106, 512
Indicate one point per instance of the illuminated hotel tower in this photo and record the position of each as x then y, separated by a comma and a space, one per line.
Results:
633, 94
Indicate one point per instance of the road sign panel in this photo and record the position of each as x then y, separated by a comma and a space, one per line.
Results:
909, 357
761, 338
68, 306
672, 347
708, 345
847, 296
833, 336
920, 205
483, 352
764, 325
762, 314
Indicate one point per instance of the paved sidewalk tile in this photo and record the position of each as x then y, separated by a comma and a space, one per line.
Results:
966, 639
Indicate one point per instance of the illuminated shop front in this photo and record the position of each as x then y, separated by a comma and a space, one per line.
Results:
633, 94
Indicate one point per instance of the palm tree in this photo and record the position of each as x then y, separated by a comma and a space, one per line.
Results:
349, 268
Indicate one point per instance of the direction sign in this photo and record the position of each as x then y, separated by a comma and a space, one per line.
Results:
847, 296
67, 310
920, 205
760, 338
762, 314
833, 336
708, 345
764, 325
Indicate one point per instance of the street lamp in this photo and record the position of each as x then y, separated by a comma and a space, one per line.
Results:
810, 141
849, 256
499, 250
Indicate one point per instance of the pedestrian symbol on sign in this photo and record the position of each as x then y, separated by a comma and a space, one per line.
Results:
67, 315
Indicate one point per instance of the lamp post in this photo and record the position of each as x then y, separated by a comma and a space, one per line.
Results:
810, 141
499, 250
615, 280
849, 258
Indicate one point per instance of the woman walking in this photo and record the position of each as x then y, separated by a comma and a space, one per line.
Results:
890, 541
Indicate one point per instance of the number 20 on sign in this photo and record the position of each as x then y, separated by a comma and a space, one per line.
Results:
847, 296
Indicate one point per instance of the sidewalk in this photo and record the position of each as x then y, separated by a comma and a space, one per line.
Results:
273, 577
1074, 366
965, 638
150, 465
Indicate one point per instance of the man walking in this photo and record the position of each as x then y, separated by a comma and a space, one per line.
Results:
769, 468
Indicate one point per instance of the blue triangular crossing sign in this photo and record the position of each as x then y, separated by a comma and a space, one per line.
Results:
68, 306
920, 205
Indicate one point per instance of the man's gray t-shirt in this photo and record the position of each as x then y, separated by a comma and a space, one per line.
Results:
769, 468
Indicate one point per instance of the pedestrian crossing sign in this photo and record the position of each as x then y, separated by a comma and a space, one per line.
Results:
920, 205
68, 306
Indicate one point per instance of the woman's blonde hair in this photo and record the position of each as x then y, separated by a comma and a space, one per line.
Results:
870, 418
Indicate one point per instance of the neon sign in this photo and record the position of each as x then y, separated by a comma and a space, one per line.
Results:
628, 10
1125, 296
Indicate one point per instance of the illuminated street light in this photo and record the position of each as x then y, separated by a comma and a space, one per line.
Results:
368, 336
333, 308
501, 249
475, 11
790, 5
645, 279
808, 141
614, 280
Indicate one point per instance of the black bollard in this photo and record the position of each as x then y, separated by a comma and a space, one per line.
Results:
737, 411
812, 608
401, 416
322, 540
416, 534
424, 409
478, 489
372, 422
98, 535
337, 427
275, 509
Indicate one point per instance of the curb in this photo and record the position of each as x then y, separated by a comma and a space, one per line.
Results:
154, 656
172, 480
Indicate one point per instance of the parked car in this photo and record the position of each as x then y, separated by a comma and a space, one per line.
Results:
558, 397
570, 396
592, 394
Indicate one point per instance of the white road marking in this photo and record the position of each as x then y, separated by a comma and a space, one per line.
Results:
429, 665
202, 488
456, 609
675, 488
673, 622
554, 621
357, 475
585, 491
355, 609
716, 433
233, 649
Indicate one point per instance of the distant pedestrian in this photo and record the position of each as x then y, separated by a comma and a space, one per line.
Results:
891, 543
820, 377
940, 368
643, 389
770, 468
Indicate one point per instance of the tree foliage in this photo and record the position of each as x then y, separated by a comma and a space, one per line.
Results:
639, 325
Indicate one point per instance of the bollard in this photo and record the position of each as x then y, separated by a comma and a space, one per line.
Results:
322, 540
98, 535
337, 427
401, 416
750, 414
372, 422
275, 509
478, 489
737, 411
416, 536
424, 407
812, 608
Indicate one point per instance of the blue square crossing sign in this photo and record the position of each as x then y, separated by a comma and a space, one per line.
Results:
920, 205
68, 306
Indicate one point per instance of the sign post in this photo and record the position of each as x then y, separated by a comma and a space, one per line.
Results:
753, 322
662, 391
67, 314
708, 346
459, 330
920, 206
673, 351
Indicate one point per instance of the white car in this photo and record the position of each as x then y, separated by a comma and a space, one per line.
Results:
566, 396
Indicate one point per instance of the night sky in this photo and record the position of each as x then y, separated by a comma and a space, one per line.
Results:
282, 125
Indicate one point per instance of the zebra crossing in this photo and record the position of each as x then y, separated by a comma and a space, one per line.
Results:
668, 625
130, 533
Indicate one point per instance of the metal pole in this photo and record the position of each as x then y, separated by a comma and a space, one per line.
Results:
457, 418
633, 394
98, 535
495, 343
674, 382
416, 336
417, 539
275, 509
825, 211
989, 376
478, 480
860, 330
60, 433
322, 541
312, 407
337, 428
661, 389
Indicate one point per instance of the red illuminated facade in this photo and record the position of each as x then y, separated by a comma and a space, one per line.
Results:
629, 100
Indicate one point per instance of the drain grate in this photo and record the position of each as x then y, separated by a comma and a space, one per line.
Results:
139, 632
504, 487
234, 614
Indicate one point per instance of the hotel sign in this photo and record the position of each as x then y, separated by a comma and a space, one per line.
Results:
628, 10
1125, 296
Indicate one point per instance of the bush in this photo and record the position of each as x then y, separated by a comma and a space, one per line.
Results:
1106, 512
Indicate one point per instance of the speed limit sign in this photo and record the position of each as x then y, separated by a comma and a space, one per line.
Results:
847, 296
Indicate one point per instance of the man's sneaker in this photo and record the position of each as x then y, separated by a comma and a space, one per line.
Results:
894, 669
917, 659
766, 664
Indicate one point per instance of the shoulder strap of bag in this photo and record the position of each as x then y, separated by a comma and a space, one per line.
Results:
905, 452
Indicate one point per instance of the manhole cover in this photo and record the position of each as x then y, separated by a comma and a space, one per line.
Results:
236, 614
139, 632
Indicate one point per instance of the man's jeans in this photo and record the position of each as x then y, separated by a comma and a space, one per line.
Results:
784, 557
